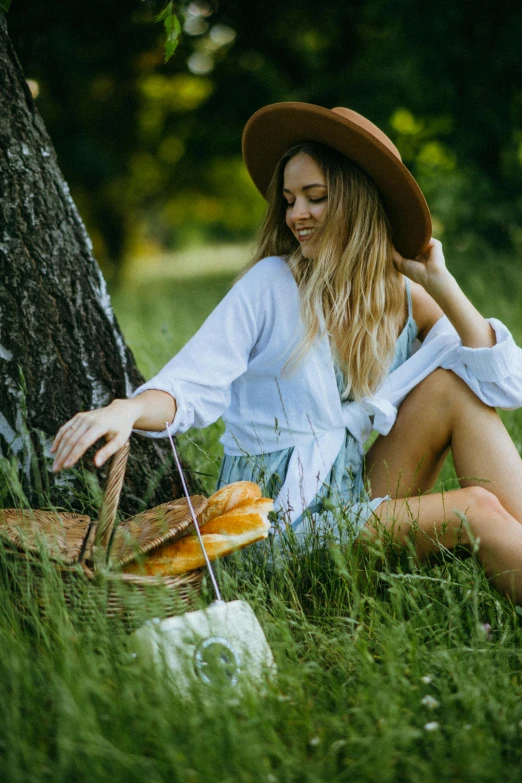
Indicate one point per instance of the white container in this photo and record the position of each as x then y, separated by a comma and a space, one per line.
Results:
223, 645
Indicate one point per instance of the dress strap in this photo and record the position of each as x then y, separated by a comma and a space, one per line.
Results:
408, 297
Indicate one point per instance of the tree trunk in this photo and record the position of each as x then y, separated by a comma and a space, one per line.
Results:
61, 350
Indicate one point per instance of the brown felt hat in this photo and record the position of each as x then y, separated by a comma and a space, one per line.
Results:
272, 130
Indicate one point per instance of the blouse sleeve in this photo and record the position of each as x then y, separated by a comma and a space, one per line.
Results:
494, 374
199, 377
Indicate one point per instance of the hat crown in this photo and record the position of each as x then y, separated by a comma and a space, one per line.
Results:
369, 127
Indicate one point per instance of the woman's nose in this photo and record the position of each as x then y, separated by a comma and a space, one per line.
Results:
300, 209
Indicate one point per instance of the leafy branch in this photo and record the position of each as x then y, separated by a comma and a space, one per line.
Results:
172, 27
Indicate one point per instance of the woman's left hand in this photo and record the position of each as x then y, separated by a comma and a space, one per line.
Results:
428, 269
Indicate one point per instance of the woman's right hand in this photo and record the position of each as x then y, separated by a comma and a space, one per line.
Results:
114, 422
150, 410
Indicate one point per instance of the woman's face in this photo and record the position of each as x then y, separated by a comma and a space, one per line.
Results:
304, 189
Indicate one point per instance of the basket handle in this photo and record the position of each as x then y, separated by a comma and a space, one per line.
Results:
111, 497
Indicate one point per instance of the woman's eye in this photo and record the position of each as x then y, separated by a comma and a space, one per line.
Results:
311, 200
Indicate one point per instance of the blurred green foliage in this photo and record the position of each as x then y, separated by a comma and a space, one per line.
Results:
152, 151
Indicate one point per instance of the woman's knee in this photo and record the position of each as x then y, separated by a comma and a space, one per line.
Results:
461, 517
444, 385
480, 498
472, 515
483, 510
427, 413
431, 398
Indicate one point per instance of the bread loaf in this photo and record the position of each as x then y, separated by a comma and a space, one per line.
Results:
222, 535
181, 556
240, 520
230, 496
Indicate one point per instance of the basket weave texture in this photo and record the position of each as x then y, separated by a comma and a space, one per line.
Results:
90, 553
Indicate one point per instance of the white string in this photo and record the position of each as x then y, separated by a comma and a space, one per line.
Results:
207, 561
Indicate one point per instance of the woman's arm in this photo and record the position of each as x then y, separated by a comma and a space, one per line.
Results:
482, 353
194, 388
148, 411
443, 295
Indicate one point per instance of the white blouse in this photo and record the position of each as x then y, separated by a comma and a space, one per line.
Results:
232, 367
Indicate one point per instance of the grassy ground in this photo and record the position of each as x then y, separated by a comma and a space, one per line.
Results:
386, 671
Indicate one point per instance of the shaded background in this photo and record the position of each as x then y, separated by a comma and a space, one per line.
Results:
152, 151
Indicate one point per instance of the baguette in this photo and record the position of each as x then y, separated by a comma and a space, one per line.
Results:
241, 519
230, 496
222, 535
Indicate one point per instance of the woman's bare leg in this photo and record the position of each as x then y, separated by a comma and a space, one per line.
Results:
436, 520
442, 412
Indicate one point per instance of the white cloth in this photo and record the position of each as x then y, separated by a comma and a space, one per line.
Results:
232, 367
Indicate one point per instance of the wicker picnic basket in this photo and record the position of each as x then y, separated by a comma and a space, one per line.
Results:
89, 554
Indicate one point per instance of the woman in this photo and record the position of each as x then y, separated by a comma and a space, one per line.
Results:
313, 347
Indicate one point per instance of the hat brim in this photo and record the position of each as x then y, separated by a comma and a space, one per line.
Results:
274, 129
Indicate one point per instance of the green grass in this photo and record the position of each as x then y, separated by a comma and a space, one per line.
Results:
359, 643
360, 639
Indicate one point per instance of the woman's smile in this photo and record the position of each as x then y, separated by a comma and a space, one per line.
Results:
306, 196
302, 233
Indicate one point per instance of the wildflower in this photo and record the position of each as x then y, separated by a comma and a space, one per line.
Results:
432, 726
430, 702
427, 679
486, 630
314, 742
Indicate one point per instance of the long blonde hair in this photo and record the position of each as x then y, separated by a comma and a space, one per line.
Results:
351, 280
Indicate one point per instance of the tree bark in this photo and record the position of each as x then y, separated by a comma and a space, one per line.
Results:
61, 350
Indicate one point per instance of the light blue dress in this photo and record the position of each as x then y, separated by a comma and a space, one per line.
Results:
343, 494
